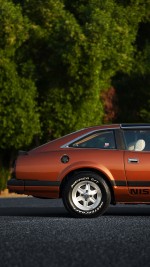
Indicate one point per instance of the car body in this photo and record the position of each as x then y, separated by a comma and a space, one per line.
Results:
88, 169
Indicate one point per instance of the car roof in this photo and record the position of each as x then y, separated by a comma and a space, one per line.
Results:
134, 125
119, 125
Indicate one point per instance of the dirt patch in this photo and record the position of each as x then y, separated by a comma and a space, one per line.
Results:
7, 194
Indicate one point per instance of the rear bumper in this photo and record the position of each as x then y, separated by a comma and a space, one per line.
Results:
15, 182
49, 189
16, 186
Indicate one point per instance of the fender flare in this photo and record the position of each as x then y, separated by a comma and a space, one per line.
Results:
86, 165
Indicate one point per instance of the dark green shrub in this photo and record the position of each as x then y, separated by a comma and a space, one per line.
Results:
4, 176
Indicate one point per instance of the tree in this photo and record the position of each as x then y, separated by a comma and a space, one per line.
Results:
19, 118
110, 103
19, 121
133, 90
76, 48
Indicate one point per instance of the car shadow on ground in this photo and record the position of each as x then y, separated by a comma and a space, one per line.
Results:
34, 212
128, 210
61, 211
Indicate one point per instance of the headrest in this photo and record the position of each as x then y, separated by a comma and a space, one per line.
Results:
140, 145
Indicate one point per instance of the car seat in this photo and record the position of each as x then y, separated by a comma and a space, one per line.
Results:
140, 145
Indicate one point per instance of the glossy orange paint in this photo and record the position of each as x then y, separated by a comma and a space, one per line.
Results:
140, 171
43, 166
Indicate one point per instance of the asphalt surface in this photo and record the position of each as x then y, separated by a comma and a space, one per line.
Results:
41, 233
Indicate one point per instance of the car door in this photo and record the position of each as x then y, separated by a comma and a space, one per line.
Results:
137, 163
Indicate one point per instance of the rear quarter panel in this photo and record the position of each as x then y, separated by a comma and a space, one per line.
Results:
48, 165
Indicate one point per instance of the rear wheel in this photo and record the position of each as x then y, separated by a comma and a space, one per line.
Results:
86, 194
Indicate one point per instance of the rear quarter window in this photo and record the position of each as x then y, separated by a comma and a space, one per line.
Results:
101, 140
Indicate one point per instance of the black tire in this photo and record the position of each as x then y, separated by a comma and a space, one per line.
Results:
86, 194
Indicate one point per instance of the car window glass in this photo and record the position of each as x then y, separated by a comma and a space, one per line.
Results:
137, 140
103, 140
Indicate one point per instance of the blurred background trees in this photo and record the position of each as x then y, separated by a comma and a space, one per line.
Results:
67, 64
133, 89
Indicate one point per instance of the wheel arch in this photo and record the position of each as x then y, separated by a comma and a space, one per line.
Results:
106, 179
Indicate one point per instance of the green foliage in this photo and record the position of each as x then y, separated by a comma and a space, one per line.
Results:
18, 117
57, 58
13, 28
4, 176
19, 120
76, 48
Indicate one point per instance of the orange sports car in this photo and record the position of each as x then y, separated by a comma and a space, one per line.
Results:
89, 169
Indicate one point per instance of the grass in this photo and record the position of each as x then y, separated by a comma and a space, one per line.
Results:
4, 176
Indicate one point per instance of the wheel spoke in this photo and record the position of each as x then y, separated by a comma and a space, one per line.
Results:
92, 199
87, 187
80, 191
93, 192
85, 203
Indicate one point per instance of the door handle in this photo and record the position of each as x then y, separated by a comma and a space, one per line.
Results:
133, 160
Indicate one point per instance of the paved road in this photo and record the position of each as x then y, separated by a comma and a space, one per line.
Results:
41, 233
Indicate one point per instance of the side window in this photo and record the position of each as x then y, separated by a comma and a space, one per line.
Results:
103, 140
138, 140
